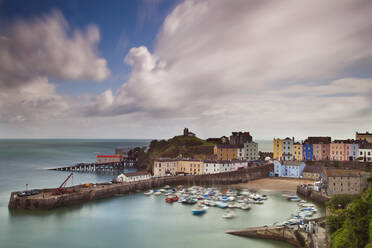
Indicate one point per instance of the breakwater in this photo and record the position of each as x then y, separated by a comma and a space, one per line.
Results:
47, 199
293, 236
311, 194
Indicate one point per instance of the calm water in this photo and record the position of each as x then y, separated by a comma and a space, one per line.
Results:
130, 221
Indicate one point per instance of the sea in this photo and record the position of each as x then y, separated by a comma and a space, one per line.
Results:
131, 221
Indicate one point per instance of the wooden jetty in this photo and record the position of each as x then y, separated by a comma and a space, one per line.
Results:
99, 167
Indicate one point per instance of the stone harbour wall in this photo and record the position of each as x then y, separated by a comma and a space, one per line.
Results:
79, 194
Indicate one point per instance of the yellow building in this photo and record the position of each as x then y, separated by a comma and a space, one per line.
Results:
190, 166
277, 148
226, 152
364, 136
297, 151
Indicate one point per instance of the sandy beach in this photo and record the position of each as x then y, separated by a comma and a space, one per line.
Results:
274, 184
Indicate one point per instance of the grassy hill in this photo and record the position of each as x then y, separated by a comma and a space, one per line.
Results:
192, 147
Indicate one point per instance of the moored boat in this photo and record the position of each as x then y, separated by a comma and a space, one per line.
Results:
199, 210
149, 192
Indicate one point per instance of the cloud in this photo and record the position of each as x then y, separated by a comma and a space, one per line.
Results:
46, 47
272, 67
33, 51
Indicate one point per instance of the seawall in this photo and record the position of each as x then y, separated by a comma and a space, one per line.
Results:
293, 236
311, 194
79, 194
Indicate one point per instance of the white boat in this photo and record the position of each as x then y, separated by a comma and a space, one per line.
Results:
228, 214
157, 193
221, 204
149, 192
245, 206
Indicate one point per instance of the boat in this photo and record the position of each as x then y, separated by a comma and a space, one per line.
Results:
171, 199
221, 204
189, 201
149, 192
166, 187
245, 206
228, 214
157, 193
199, 210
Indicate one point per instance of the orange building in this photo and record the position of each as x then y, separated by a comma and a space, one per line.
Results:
337, 150
226, 152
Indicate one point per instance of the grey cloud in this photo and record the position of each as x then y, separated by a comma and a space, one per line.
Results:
42, 47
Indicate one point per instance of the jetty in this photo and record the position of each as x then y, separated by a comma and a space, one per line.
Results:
290, 234
45, 199
99, 167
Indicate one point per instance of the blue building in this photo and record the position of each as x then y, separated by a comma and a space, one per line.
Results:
289, 169
307, 152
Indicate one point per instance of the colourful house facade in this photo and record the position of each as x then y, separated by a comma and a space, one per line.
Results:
307, 151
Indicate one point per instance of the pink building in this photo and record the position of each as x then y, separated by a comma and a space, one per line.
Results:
321, 151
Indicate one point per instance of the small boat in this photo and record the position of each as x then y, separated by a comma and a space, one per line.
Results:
228, 214
221, 204
166, 187
171, 199
149, 192
199, 210
157, 193
189, 201
245, 206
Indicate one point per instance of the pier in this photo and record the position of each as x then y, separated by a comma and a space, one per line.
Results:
101, 167
293, 235
47, 199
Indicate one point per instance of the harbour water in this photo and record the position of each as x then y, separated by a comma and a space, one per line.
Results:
129, 221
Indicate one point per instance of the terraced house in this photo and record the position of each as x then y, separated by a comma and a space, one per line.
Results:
297, 151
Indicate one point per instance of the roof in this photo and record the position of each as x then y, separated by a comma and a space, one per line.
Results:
108, 156
295, 163
229, 146
343, 173
313, 169
137, 173
166, 159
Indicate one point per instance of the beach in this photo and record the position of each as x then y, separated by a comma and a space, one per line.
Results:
273, 184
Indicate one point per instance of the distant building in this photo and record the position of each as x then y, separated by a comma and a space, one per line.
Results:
211, 167
339, 181
289, 168
250, 151
337, 150
351, 150
318, 140
287, 149
239, 138
307, 151
190, 166
187, 133
297, 151
312, 172
123, 151
321, 151
364, 136
278, 148
103, 159
365, 152
226, 152
165, 166
134, 176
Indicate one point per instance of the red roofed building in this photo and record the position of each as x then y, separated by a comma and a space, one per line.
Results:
102, 159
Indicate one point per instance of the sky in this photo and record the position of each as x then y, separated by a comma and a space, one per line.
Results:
147, 69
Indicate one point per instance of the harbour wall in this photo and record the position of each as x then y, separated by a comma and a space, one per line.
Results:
311, 194
293, 236
79, 194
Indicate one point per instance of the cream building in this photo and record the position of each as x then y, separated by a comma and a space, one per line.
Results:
190, 166
134, 177
165, 166
297, 151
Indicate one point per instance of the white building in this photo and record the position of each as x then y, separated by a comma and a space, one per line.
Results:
134, 177
225, 166
251, 151
211, 167
238, 164
365, 153
164, 167
289, 168
240, 152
